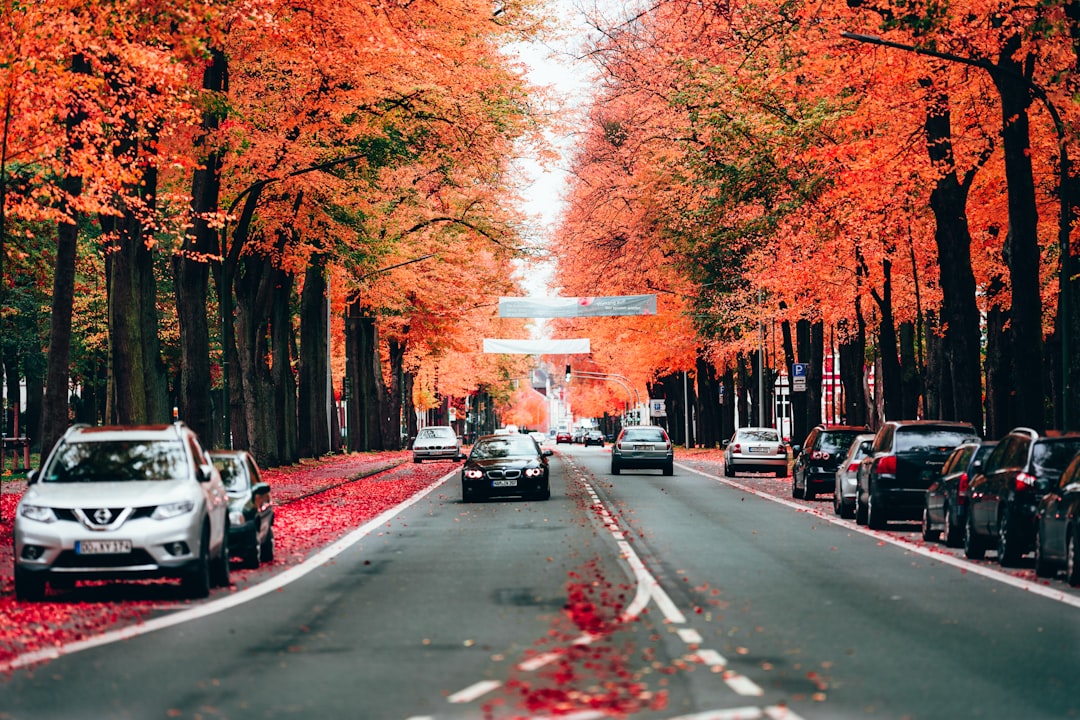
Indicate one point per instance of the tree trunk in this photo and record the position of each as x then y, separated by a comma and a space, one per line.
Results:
1000, 392
191, 270
393, 427
889, 381
852, 366
727, 409
743, 393
814, 374
911, 373
1022, 253
710, 421
282, 383
314, 406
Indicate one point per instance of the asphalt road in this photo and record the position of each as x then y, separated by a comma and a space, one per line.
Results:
638, 595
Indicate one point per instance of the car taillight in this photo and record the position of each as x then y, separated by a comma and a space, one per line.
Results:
736, 448
819, 455
1024, 481
962, 488
781, 450
853, 467
886, 465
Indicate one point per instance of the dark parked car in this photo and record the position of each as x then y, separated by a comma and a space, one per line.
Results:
947, 497
905, 458
1057, 528
594, 437
642, 446
251, 509
818, 458
1015, 476
505, 465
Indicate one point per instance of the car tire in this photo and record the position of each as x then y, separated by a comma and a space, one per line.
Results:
1043, 568
1008, 552
929, 534
974, 547
954, 537
29, 586
1072, 562
252, 556
196, 583
728, 472
837, 504
796, 491
669, 469
875, 513
847, 510
860, 509
615, 469
266, 551
808, 494
219, 567
782, 473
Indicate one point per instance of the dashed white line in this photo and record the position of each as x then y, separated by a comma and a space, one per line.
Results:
690, 636
711, 658
773, 712
742, 684
474, 691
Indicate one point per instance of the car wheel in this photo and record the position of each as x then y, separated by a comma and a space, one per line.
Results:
266, 552
837, 504
1043, 568
252, 556
875, 513
953, 536
808, 494
782, 473
796, 491
615, 469
29, 586
669, 469
860, 509
847, 510
1008, 551
1072, 562
973, 544
219, 567
728, 472
196, 583
929, 534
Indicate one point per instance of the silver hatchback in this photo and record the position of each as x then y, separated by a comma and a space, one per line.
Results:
123, 502
642, 446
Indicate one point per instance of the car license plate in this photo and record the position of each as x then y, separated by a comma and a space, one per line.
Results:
504, 483
758, 449
102, 547
643, 447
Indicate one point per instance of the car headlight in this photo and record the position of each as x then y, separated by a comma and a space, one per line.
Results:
171, 510
533, 472
474, 474
39, 513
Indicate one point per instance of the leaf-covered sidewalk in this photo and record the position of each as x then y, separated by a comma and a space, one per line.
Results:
316, 502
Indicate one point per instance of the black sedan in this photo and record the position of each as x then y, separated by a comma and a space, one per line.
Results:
251, 509
505, 465
1057, 528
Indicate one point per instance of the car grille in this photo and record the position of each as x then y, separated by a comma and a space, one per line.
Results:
500, 474
91, 515
69, 559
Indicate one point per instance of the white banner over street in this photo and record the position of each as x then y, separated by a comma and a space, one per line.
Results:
537, 347
569, 307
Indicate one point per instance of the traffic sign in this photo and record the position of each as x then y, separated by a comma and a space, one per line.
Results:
798, 377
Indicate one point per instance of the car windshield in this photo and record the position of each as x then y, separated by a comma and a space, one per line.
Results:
504, 446
119, 460
232, 473
758, 436
837, 441
1055, 455
644, 434
435, 433
924, 439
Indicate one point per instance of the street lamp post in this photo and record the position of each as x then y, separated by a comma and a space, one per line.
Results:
621, 380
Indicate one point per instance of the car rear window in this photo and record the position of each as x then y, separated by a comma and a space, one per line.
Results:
1055, 454
433, 433
930, 438
118, 461
759, 436
644, 434
232, 473
837, 442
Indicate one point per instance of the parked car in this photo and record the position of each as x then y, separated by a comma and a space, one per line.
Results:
1057, 527
563, 436
594, 437
642, 446
1004, 495
846, 477
947, 497
251, 509
505, 465
905, 458
121, 502
436, 442
756, 449
819, 457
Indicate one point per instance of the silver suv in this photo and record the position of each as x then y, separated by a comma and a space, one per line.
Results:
123, 502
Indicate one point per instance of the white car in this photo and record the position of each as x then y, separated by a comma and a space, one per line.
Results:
756, 449
436, 442
123, 502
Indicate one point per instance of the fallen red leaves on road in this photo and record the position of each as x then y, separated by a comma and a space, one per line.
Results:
317, 502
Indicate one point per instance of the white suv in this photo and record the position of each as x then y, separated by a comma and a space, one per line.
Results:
123, 502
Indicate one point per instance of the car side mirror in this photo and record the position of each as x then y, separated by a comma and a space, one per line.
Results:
548, 453
865, 446
206, 471
32, 477
795, 450
724, 443
461, 456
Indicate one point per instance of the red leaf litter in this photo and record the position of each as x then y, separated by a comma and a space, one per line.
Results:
316, 502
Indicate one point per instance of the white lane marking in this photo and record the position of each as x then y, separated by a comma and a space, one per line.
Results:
773, 712
690, 636
742, 684
583, 715
781, 712
711, 658
474, 691
229, 601
945, 558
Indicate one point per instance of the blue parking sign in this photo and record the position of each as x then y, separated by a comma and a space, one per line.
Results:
798, 370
